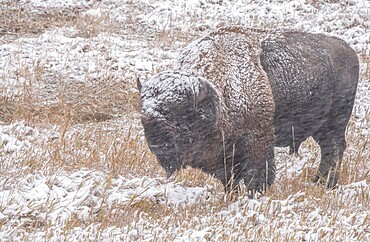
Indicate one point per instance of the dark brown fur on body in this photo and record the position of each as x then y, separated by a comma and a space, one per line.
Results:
314, 80
234, 88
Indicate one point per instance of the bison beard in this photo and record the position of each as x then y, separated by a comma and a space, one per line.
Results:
237, 93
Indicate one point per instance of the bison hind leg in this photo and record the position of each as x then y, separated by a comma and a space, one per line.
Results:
332, 148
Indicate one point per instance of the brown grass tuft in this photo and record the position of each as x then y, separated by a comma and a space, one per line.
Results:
18, 20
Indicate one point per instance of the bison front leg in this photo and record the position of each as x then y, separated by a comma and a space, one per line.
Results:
241, 165
332, 150
255, 172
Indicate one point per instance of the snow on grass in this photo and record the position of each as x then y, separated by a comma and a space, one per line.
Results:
17, 139
55, 199
60, 4
73, 162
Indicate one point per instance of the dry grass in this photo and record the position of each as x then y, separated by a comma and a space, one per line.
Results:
76, 103
92, 136
84, 104
96, 100
17, 20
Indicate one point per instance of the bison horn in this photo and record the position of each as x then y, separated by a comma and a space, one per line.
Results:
138, 83
204, 89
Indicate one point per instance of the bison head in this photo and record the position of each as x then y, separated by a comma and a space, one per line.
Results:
180, 114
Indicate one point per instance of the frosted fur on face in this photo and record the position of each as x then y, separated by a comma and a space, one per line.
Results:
168, 89
178, 111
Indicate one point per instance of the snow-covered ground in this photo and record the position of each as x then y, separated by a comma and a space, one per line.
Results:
76, 176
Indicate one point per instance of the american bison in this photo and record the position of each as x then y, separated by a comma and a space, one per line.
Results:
237, 93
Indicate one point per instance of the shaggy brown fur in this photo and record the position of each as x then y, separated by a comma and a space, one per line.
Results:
216, 111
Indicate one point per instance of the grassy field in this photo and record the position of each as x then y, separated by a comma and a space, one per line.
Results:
74, 165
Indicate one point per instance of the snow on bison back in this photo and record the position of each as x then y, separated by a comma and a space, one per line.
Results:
236, 93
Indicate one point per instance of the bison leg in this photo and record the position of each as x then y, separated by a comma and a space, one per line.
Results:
256, 175
332, 149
